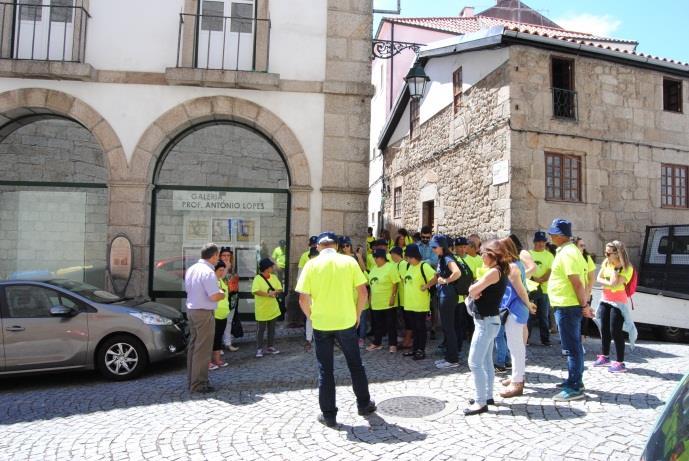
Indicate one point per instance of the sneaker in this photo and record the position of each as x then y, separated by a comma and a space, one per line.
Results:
601, 361
564, 384
368, 409
568, 394
408, 353
438, 361
617, 367
499, 369
508, 366
445, 364
272, 351
259, 353
419, 355
373, 347
212, 366
232, 348
546, 343
329, 421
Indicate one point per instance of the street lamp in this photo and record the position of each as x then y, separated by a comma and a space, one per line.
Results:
416, 81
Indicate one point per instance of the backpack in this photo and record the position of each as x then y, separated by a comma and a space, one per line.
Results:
630, 287
465, 280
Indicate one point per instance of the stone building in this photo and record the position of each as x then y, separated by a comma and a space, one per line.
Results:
522, 123
175, 122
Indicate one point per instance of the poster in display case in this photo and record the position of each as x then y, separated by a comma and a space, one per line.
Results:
196, 229
222, 230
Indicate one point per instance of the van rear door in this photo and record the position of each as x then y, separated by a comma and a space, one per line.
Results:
665, 259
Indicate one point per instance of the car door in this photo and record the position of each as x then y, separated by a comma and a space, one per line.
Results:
33, 338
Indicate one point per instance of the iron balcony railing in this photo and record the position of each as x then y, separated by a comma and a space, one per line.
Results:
223, 42
564, 103
46, 32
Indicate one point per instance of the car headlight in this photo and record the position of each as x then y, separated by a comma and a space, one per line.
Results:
151, 319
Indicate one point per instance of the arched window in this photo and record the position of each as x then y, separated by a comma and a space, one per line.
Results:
218, 182
53, 201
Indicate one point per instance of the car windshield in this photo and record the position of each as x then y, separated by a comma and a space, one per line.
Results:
87, 291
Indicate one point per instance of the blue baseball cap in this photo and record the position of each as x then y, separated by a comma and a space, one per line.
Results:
413, 251
560, 226
396, 250
540, 236
344, 240
313, 240
461, 241
439, 241
380, 253
327, 237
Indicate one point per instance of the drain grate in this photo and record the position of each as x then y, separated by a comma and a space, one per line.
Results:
411, 406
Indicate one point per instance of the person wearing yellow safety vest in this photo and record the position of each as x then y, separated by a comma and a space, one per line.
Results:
369, 240
384, 282
417, 282
304, 258
326, 290
279, 256
401, 265
539, 293
266, 288
221, 313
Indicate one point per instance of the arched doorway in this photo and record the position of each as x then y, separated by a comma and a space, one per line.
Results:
219, 181
53, 200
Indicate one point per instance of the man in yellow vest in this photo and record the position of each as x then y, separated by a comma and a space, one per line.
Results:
327, 287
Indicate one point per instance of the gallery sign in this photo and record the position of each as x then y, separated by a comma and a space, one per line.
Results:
184, 200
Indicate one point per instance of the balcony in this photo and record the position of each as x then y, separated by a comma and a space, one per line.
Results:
41, 39
564, 104
225, 51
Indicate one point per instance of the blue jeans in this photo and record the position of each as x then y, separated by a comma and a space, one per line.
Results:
348, 342
502, 353
542, 316
481, 357
363, 325
569, 324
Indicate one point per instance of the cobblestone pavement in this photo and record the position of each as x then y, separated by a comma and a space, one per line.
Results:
266, 409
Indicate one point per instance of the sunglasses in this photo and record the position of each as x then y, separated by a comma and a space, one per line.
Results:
346, 245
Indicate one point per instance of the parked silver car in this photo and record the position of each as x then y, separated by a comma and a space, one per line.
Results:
61, 324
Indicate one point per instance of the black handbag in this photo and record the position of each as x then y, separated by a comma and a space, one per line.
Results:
236, 329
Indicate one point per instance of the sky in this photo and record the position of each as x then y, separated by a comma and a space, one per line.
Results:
660, 26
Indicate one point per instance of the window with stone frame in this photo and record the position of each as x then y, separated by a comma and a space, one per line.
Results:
672, 95
674, 187
563, 177
457, 89
397, 202
413, 118
562, 83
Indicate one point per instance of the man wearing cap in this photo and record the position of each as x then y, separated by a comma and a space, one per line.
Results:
203, 294
567, 293
326, 290
304, 258
539, 295
431, 258
380, 244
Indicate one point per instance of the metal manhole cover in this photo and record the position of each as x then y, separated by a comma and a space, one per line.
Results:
411, 406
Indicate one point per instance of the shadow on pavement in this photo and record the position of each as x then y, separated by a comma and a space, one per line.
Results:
380, 431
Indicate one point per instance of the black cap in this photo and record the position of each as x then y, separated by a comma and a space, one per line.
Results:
396, 250
380, 242
265, 263
313, 240
540, 236
461, 241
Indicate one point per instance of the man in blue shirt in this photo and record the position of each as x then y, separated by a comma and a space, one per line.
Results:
425, 249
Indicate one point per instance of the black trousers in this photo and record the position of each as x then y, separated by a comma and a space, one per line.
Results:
417, 324
385, 323
219, 330
611, 323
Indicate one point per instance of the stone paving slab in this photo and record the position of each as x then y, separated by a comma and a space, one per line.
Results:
266, 409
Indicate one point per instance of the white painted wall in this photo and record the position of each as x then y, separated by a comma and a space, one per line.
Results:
131, 109
298, 38
133, 35
476, 65
142, 36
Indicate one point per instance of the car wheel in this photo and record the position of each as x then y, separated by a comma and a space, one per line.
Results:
671, 334
121, 357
